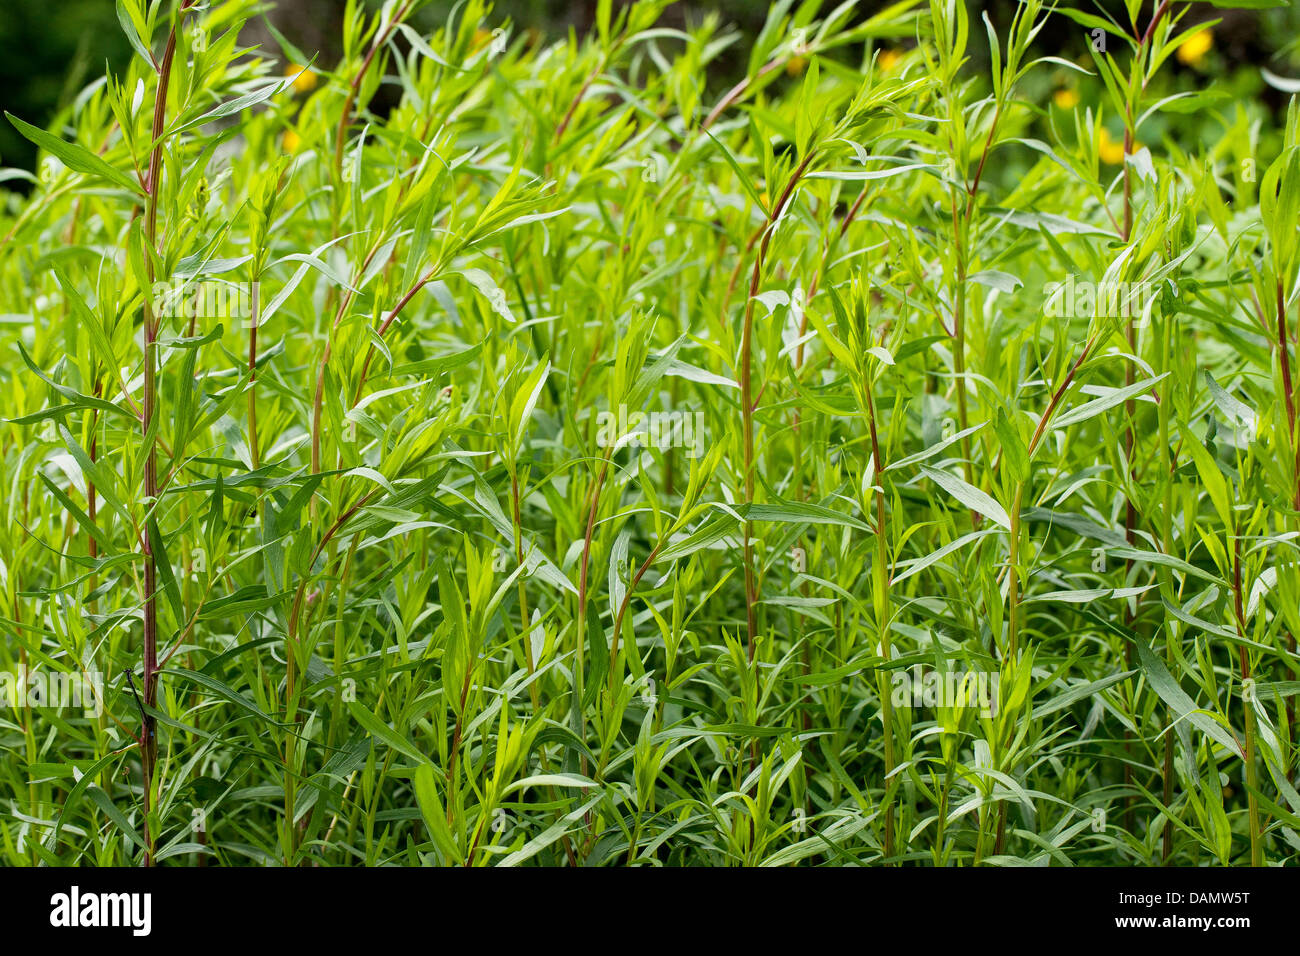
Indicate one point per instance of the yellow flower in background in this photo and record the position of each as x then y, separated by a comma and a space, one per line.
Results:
889, 59
1111, 150
304, 80
481, 36
795, 65
291, 141
1191, 52
1066, 99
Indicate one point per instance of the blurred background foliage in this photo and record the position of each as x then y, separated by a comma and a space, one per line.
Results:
49, 49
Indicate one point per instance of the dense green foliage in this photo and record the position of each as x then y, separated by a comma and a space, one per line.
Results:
566, 466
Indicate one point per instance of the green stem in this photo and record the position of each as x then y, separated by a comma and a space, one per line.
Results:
880, 592
1013, 588
148, 742
1247, 706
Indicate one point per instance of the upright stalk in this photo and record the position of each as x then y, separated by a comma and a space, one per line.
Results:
881, 575
1166, 543
1013, 574
253, 456
960, 230
1247, 706
749, 402
148, 743
1013, 588
1284, 358
1138, 82
524, 621
354, 88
